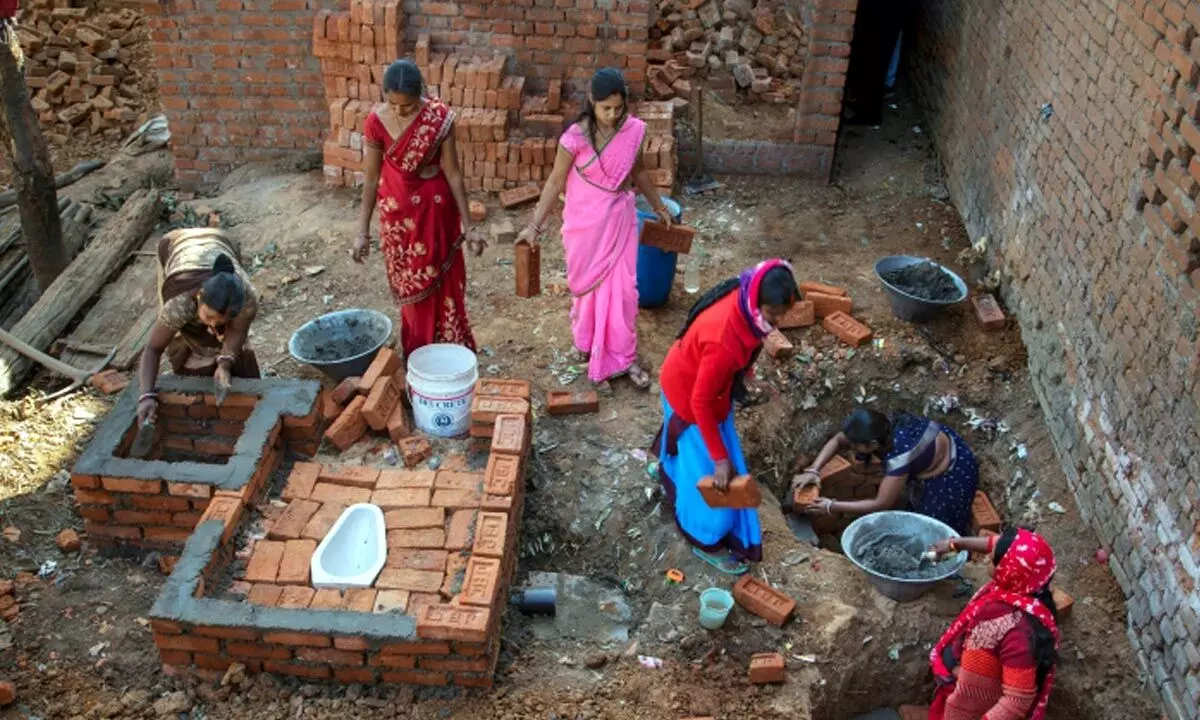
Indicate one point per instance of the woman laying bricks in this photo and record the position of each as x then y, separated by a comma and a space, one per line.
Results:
599, 165
414, 177
997, 660
928, 468
207, 306
703, 374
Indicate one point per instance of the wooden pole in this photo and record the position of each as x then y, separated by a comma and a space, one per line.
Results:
33, 175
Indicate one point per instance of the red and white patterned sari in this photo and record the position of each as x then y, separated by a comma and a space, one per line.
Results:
420, 230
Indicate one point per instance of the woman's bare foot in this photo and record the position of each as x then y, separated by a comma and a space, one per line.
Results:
639, 377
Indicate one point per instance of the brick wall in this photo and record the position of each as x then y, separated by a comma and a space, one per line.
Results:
1068, 131
238, 81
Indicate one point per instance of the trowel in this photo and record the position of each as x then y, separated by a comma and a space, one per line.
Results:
143, 441
802, 528
221, 393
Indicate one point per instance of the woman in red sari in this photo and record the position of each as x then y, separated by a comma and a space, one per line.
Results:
414, 177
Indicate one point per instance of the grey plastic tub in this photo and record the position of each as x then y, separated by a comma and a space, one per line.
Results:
341, 344
910, 307
919, 532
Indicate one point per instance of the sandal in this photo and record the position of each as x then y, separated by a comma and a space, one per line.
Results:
724, 564
638, 376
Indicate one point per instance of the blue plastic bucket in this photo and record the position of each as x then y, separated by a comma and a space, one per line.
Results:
655, 268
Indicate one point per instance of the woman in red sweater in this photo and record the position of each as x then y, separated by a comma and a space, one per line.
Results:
996, 662
703, 374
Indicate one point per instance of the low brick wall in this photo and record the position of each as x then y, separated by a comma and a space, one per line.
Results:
201, 451
757, 157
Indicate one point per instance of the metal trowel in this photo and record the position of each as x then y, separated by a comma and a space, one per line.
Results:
143, 441
221, 393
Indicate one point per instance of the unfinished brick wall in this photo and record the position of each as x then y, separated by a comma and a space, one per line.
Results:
238, 81
1090, 204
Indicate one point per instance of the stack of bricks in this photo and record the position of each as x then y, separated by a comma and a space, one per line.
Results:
355, 47
493, 398
372, 402
831, 305
433, 614
659, 154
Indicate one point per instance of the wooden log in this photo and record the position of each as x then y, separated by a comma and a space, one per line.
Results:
130, 347
18, 287
75, 174
61, 302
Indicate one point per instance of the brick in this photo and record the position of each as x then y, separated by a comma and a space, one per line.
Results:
416, 559
414, 450
321, 523
189, 490
327, 599
252, 651
354, 676
453, 622
983, 513
676, 238
477, 211
132, 485
264, 561
391, 601
485, 409
382, 400
296, 562
801, 315
1062, 601
67, 541
458, 480
503, 475
461, 531
294, 597
94, 497
828, 304
988, 312
227, 633
385, 364
761, 599
516, 197
401, 498
428, 539
398, 662
572, 403
297, 639
228, 511
804, 496
509, 437
345, 391
778, 346
339, 494
767, 668
493, 387
389, 479
398, 425
112, 532
188, 643
95, 514
836, 469
481, 582
527, 269
350, 425
264, 594
163, 627
411, 580
456, 499
170, 657
160, 502
331, 656
359, 476
85, 482
847, 329
743, 492
311, 672
809, 286
491, 534
415, 518
301, 480
291, 522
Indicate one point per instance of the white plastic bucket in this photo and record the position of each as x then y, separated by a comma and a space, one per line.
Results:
441, 384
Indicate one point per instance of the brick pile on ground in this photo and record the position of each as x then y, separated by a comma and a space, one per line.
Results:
828, 304
734, 47
79, 68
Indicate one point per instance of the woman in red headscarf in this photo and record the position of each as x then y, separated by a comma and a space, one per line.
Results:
997, 660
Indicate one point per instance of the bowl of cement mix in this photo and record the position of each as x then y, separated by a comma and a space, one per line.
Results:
341, 344
887, 546
918, 288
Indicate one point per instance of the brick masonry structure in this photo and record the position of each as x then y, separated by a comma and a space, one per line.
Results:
1070, 134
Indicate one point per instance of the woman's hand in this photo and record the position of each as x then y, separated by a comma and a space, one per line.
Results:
664, 216
223, 377
147, 410
362, 248
528, 234
804, 479
941, 547
722, 475
821, 507
476, 241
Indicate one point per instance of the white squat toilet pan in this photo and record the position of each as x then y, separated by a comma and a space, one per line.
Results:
353, 552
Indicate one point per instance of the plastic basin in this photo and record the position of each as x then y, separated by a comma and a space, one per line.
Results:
919, 533
910, 307
341, 344
715, 605
655, 268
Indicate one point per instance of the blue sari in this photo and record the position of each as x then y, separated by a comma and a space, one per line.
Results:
947, 497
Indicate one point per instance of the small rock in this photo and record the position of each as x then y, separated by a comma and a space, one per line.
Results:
68, 541
998, 364
235, 676
12, 534
595, 661
173, 704
8, 693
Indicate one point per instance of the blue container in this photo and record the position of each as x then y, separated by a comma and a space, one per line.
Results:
655, 268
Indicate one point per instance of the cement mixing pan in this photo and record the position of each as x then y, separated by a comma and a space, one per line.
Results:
341, 344
904, 535
907, 306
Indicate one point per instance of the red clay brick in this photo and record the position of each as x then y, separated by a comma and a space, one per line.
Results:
360, 599
301, 480
297, 639
297, 560
264, 594
345, 391
676, 238
291, 522
312, 672
327, 599
382, 400
385, 364
175, 657
763, 600
486, 408
226, 633
339, 494
295, 597
458, 480
331, 656
836, 469
258, 652
401, 557
482, 581
360, 644
983, 513
354, 676
323, 521
228, 511
391, 479
414, 450
519, 196
456, 499
410, 580
988, 312
527, 263
805, 495
160, 502
509, 435
766, 668
190, 643
491, 533
94, 497
350, 425
415, 518
828, 304
85, 482
398, 426
167, 534
98, 515
163, 627
1062, 601
801, 315
132, 485
390, 601
264, 561
401, 498
847, 329
778, 346
453, 622
461, 531
810, 286
743, 492
572, 403
398, 662
113, 532
213, 662
189, 490
495, 387
502, 475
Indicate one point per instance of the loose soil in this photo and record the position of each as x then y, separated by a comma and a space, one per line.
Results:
81, 646
924, 280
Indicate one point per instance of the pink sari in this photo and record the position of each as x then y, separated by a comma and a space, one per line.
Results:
600, 237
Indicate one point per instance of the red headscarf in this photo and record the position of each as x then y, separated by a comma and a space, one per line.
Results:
1023, 571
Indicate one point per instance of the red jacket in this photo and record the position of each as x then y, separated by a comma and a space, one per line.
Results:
697, 376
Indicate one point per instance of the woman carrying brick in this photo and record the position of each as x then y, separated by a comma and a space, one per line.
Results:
704, 373
599, 165
928, 468
414, 178
207, 306
997, 660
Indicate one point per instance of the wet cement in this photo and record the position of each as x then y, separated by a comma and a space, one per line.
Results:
899, 556
924, 280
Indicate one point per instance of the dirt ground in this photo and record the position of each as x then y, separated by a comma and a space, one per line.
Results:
81, 646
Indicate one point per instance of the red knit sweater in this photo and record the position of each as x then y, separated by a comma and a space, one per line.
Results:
697, 376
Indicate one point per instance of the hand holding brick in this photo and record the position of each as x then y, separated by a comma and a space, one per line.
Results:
743, 493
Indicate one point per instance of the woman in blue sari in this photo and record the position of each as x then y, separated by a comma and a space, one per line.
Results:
928, 468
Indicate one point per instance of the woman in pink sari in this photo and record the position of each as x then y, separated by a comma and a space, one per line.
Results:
599, 165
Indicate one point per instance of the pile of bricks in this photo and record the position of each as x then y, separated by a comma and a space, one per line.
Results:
374, 401
659, 152
827, 303
433, 614
9, 609
735, 48
79, 66
202, 451
494, 398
